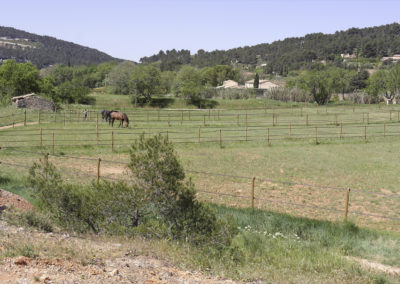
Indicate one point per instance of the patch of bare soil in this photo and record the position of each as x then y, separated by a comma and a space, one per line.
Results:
376, 266
140, 269
60, 260
8, 199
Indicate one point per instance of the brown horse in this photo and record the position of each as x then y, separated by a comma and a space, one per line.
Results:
121, 116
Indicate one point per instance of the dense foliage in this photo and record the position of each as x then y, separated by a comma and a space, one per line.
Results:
44, 50
293, 53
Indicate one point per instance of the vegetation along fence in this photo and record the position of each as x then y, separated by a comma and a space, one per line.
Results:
368, 208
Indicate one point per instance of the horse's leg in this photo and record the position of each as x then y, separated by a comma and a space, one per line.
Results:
112, 121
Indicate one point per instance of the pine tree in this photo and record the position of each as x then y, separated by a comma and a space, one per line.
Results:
256, 81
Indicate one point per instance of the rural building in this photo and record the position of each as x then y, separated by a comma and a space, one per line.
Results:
263, 85
230, 84
395, 57
32, 101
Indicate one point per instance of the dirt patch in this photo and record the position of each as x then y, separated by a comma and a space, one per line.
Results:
376, 266
8, 199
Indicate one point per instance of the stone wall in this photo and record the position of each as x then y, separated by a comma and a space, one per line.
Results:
36, 103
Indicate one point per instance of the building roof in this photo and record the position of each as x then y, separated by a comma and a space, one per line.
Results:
15, 99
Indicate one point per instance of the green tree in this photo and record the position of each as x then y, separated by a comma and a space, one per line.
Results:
256, 81
119, 77
18, 79
144, 82
188, 84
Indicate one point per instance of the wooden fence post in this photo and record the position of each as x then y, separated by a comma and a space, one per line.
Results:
246, 119
112, 141
39, 116
268, 137
346, 208
167, 135
316, 135
25, 117
341, 130
365, 134
13, 121
98, 170
41, 138
246, 133
169, 120
64, 117
384, 129
52, 146
220, 138
252, 192
199, 135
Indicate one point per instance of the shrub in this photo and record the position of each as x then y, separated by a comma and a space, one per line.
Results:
157, 203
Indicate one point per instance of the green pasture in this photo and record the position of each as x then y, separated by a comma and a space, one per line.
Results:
297, 173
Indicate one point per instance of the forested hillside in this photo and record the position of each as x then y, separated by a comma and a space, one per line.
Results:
44, 50
293, 53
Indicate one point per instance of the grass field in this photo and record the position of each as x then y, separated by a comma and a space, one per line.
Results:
304, 159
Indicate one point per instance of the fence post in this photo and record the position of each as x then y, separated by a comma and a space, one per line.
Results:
220, 138
384, 129
268, 137
24, 117
167, 135
346, 209
52, 147
306, 119
112, 141
316, 135
169, 120
246, 119
13, 122
98, 170
341, 130
64, 117
252, 192
41, 137
365, 134
273, 119
246, 133
39, 116
367, 117
363, 118
199, 135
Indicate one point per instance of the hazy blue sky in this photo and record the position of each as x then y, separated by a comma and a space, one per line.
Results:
133, 29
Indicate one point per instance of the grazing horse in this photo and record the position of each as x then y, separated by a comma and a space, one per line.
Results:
105, 114
121, 116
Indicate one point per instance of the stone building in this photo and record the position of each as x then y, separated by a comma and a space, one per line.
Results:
32, 101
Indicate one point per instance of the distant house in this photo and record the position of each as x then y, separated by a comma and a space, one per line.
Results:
395, 57
230, 84
32, 101
263, 85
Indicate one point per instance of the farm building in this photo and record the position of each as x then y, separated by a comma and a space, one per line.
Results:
229, 84
32, 101
263, 84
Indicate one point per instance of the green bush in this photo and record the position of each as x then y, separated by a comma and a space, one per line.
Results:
157, 203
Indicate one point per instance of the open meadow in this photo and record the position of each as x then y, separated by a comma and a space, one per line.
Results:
296, 159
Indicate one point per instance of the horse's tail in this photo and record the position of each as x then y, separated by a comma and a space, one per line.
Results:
126, 119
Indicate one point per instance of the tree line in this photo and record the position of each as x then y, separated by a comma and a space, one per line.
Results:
292, 53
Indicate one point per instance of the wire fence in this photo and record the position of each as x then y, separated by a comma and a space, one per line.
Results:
252, 194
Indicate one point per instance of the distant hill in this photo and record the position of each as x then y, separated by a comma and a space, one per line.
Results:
295, 52
44, 50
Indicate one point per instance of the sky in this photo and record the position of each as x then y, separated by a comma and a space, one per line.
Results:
134, 29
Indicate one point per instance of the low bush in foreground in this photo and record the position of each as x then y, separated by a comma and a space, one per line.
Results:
154, 202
